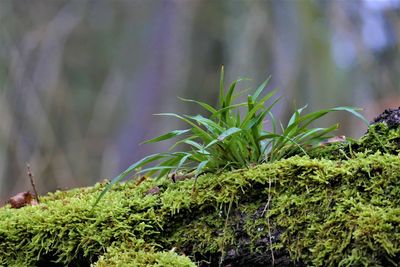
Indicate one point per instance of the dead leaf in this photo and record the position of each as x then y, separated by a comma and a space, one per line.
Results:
154, 191
335, 139
22, 199
141, 180
180, 176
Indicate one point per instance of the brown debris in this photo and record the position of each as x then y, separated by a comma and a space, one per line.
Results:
335, 139
180, 177
154, 191
140, 180
22, 199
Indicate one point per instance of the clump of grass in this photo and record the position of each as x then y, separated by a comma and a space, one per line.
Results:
228, 140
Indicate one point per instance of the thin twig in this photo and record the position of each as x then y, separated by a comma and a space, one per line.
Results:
30, 174
269, 198
194, 184
225, 227
269, 226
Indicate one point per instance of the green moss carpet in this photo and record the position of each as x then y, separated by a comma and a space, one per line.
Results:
339, 206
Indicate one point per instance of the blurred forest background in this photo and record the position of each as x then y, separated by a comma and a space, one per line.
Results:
80, 79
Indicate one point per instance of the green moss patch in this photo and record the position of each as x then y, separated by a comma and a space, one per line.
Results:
137, 255
297, 211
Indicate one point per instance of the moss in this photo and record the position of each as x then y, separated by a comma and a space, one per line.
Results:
306, 211
135, 255
379, 137
351, 212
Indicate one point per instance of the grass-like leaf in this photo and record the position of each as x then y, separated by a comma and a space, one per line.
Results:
166, 136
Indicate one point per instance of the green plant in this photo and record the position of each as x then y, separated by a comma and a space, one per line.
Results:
228, 140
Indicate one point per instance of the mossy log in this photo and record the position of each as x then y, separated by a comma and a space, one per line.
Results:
338, 206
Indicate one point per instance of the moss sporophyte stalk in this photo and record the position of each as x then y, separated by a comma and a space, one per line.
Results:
262, 198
